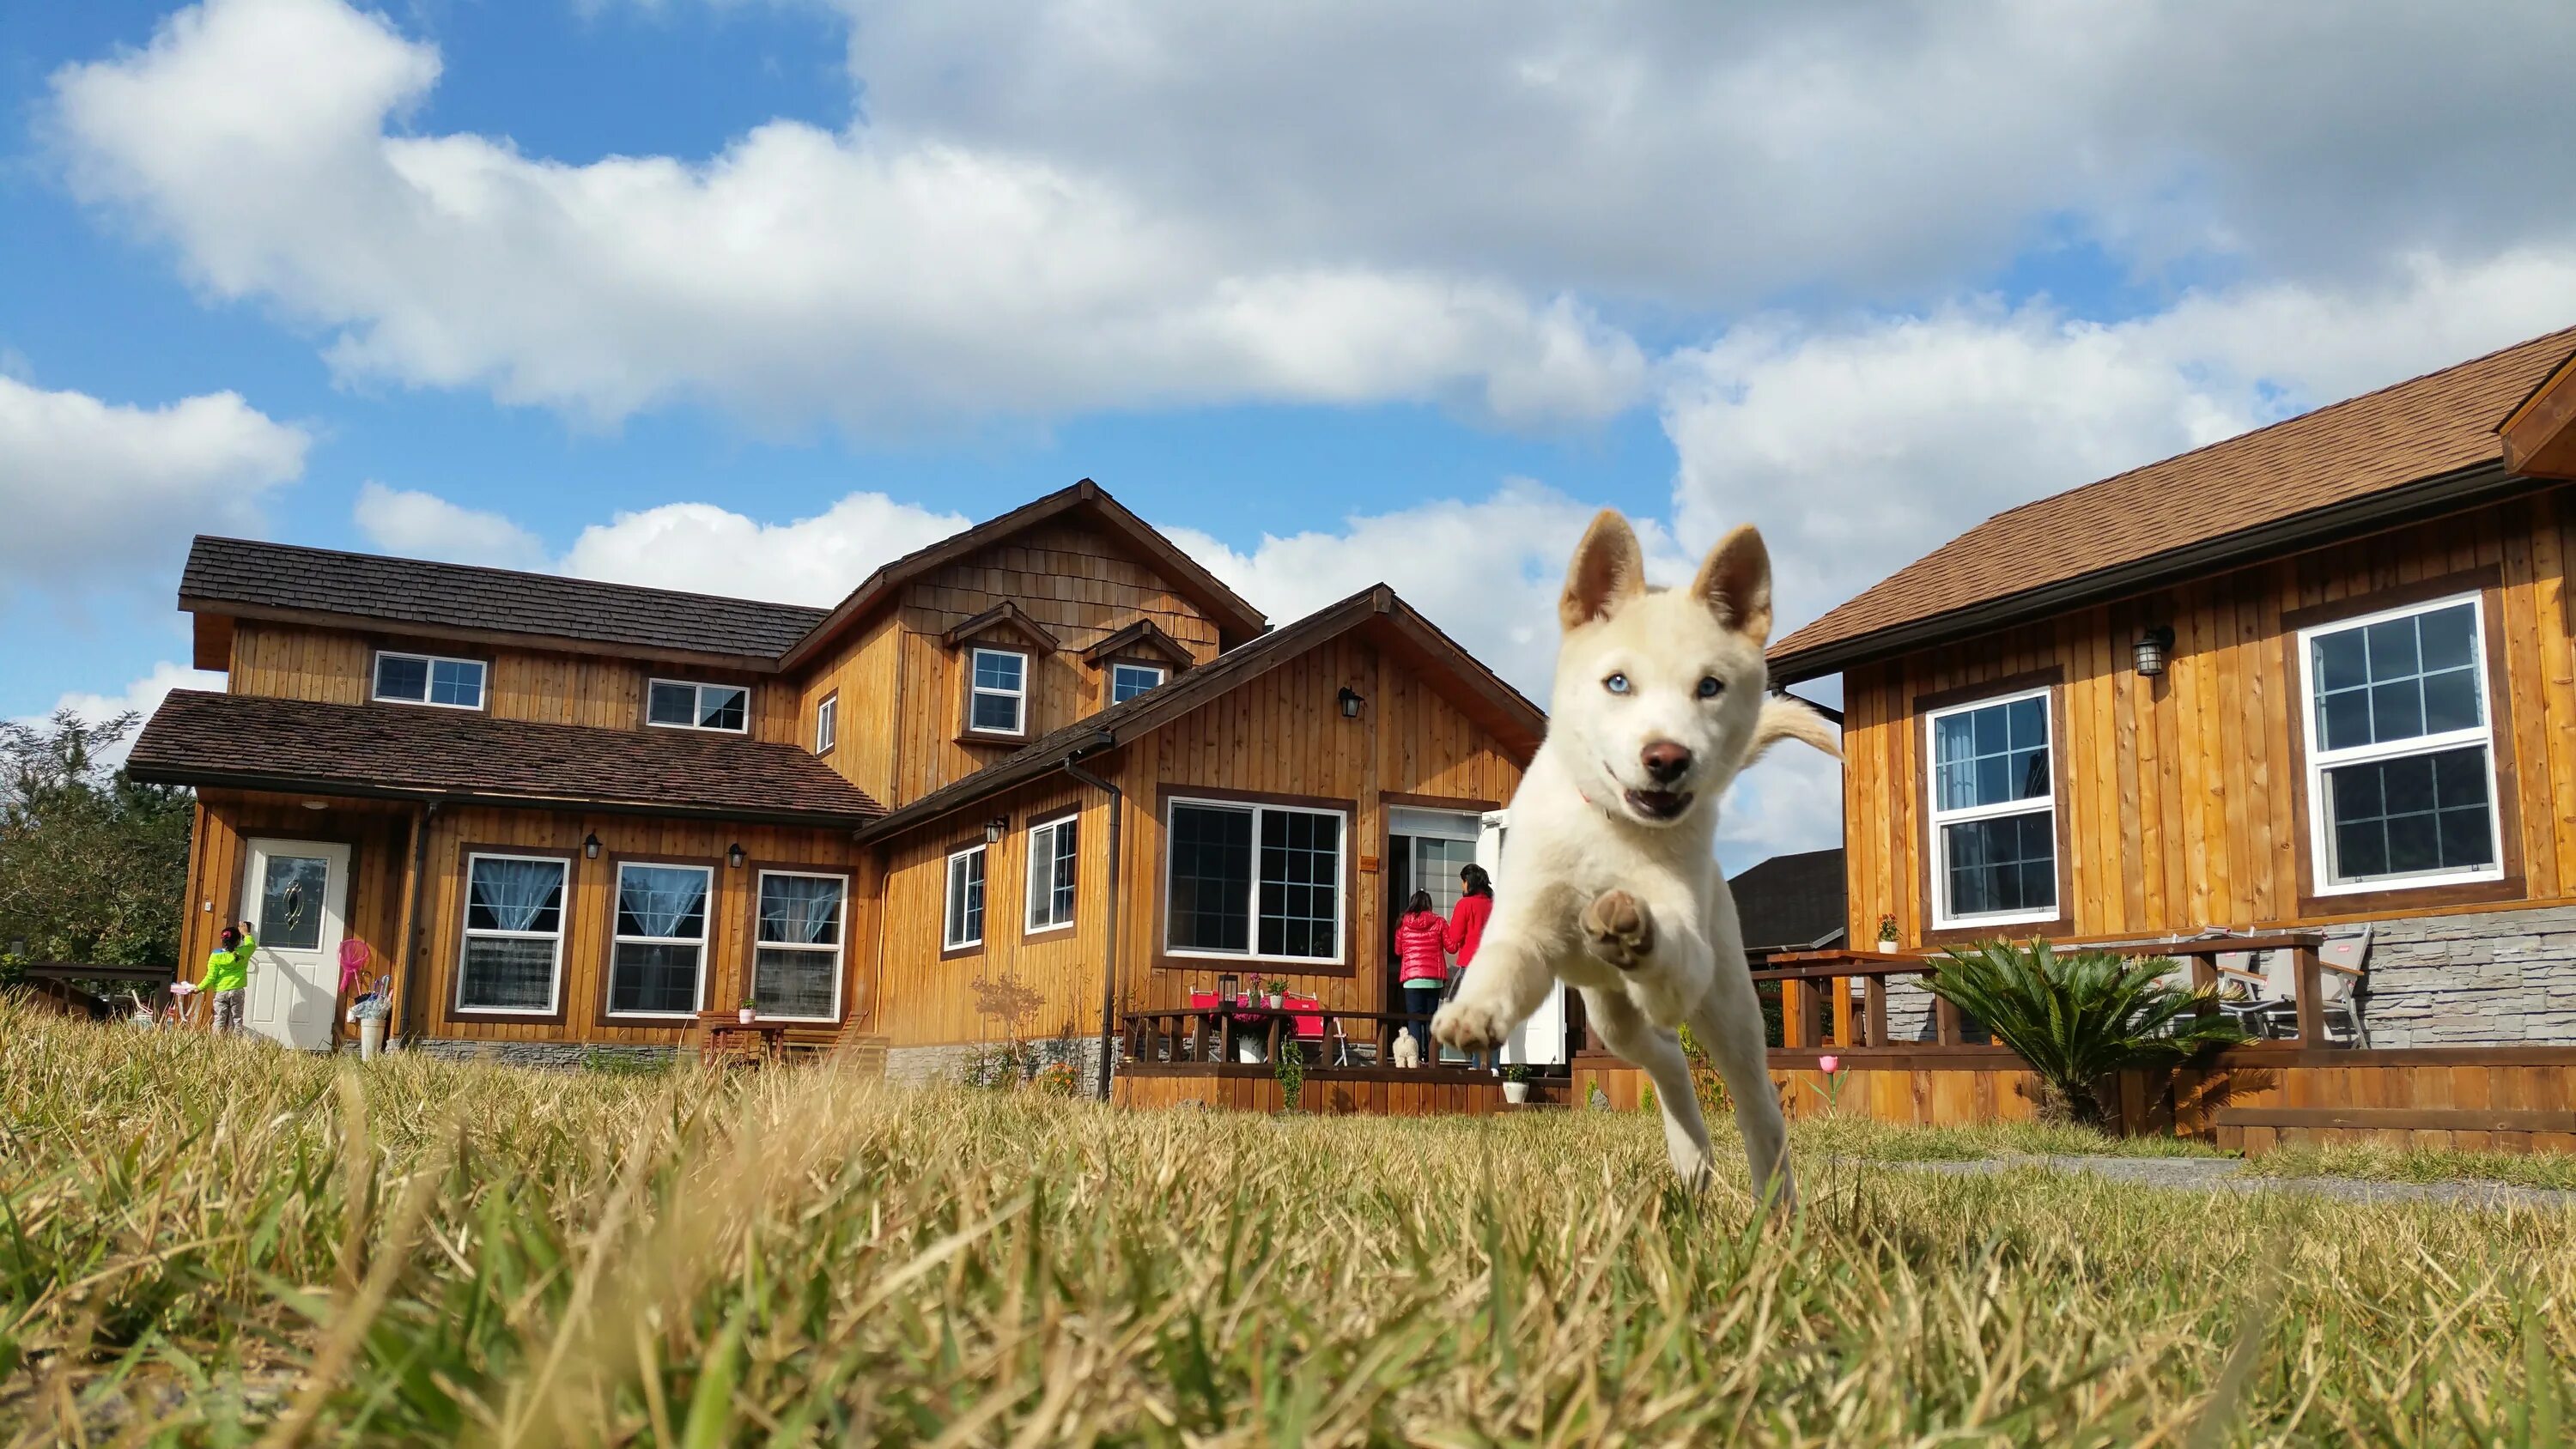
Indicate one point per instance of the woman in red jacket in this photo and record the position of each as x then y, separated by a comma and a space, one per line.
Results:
1466, 925
1423, 965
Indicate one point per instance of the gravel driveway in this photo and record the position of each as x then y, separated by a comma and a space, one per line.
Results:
2223, 1174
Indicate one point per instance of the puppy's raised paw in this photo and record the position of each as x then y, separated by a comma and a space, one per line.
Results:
1617, 929
1469, 1027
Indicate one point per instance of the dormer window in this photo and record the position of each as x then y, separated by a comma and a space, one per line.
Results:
682, 705
1000, 693
1126, 681
1134, 660
429, 679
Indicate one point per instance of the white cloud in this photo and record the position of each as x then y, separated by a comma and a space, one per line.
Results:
1858, 448
93, 489
702, 547
143, 696
424, 525
885, 280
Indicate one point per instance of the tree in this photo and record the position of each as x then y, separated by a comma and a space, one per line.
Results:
92, 864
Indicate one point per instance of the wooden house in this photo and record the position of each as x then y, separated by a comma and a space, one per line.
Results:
2318, 677
1016, 785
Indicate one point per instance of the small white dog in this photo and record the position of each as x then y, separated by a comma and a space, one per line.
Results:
1408, 1052
1609, 878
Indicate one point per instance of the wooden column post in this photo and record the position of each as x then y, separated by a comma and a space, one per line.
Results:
1874, 1014
1945, 1022
1840, 986
2312, 1016
1793, 1015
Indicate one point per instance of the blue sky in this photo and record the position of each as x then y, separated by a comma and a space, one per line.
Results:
745, 295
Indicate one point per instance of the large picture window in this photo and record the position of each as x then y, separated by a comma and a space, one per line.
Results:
2401, 749
796, 957
658, 958
1258, 881
512, 956
1052, 862
964, 909
680, 705
429, 679
997, 700
1994, 812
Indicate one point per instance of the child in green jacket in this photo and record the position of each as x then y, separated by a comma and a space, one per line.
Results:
228, 974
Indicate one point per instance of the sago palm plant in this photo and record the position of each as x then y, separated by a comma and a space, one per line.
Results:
2081, 1017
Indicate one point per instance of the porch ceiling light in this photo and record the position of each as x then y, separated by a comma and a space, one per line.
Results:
317, 804
2153, 648
1349, 700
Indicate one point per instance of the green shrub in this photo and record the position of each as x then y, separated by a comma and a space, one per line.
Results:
2081, 1017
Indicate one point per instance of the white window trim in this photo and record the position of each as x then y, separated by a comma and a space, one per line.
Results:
1934, 817
2320, 760
616, 889
948, 898
469, 932
697, 707
1019, 697
1252, 894
827, 723
482, 680
1029, 896
838, 950
1162, 676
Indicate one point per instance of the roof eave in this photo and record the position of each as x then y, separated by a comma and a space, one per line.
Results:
218, 779
509, 638
2428, 497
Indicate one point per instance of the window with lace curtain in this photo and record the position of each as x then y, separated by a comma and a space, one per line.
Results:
512, 956
796, 956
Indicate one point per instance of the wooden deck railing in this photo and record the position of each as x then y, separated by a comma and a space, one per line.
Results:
1816, 986
1212, 1034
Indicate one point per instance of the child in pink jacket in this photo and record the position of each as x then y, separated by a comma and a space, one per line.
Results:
1423, 967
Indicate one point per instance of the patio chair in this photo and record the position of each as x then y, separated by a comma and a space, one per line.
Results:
2339, 978
2237, 968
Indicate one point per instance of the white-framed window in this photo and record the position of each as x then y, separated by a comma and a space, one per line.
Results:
964, 911
431, 679
997, 700
1254, 882
657, 964
1994, 811
827, 724
796, 953
1126, 681
1052, 863
682, 705
2401, 749
512, 956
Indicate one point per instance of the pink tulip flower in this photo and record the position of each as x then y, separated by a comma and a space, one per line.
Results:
1829, 1063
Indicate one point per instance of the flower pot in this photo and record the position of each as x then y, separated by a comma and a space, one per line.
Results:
1889, 945
1277, 1001
1515, 1092
747, 1013
371, 1037
1250, 1051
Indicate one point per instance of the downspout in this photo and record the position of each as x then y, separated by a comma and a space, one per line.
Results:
1109, 951
411, 1023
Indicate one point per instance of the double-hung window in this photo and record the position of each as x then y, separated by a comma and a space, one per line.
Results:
680, 705
796, 960
1994, 812
963, 913
1126, 681
658, 957
1051, 874
2401, 749
1258, 881
512, 957
429, 679
827, 724
997, 699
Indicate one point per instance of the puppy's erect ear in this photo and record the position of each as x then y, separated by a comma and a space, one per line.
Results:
1609, 569
1735, 581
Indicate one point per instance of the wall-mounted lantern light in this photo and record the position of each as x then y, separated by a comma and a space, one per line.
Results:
2154, 647
590, 846
995, 828
1349, 699
733, 855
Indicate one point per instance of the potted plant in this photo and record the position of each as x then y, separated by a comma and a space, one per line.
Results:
1887, 933
750, 1008
1278, 994
1289, 1071
1516, 1083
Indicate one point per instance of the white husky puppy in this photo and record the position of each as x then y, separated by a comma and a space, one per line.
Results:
1610, 879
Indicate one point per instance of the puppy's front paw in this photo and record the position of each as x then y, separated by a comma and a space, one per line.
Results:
1469, 1027
1617, 929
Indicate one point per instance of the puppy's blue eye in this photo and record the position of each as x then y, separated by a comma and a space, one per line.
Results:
1616, 684
1710, 686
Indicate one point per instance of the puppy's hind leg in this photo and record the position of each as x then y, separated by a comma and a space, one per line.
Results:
1728, 1021
1627, 1031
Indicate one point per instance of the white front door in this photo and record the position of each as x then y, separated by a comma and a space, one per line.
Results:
295, 893
1540, 1041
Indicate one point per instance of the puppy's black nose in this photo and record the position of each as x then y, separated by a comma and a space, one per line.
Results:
1665, 760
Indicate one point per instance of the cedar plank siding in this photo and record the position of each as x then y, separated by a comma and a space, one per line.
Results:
1279, 734
2182, 798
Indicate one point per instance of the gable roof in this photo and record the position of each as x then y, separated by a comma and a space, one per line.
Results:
1504, 711
1236, 620
2419, 447
1791, 902
259, 742
276, 580
1143, 636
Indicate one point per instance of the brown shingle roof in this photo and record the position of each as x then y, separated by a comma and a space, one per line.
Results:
2435, 425
245, 572
256, 742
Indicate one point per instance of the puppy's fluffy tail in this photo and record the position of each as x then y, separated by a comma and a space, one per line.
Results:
1788, 719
